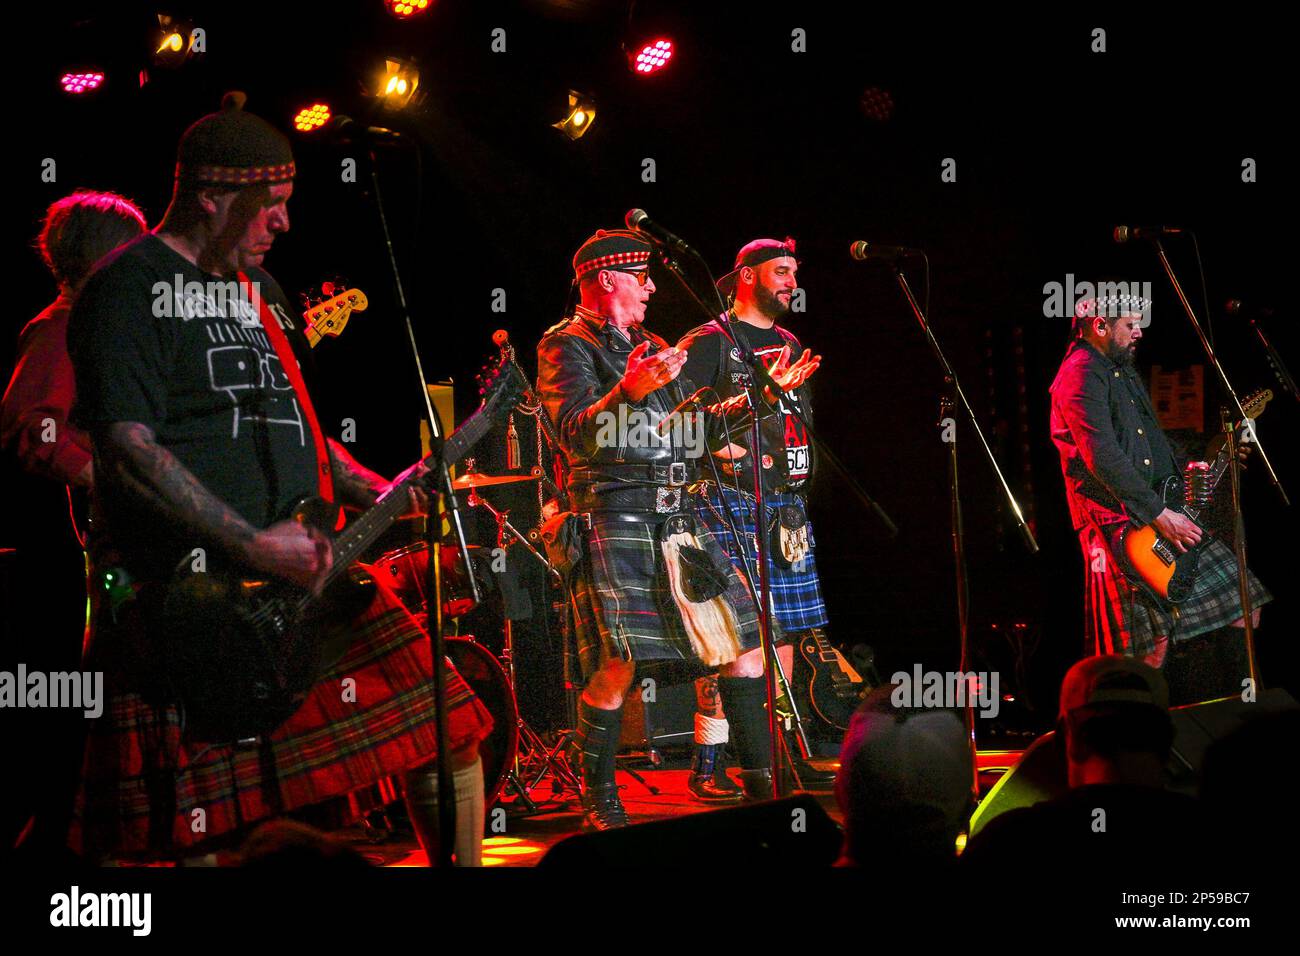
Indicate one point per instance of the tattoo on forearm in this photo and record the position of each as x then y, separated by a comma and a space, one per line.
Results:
132, 460
355, 484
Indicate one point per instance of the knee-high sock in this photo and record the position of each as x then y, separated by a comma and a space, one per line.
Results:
422, 805
598, 738
745, 700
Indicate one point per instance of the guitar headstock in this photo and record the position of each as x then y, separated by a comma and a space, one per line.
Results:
499, 384
328, 311
1254, 403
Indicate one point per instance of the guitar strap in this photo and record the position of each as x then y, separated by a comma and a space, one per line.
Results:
284, 351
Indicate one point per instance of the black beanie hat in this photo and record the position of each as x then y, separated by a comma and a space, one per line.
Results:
233, 148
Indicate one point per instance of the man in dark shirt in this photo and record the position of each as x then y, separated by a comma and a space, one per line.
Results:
1113, 452
761, 287
202, 442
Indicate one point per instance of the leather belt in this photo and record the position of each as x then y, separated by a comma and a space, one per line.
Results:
672, 475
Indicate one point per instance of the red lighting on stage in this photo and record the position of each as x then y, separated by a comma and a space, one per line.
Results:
76, 83
402, 9
311, 117
653, 57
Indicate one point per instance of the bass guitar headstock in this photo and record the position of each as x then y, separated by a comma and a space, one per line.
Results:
328, 309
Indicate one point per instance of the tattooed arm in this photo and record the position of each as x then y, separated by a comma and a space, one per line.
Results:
354, 483
132, 461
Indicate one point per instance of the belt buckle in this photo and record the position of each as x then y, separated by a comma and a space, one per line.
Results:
677, 474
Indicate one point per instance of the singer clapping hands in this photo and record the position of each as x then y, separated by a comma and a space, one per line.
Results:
646, 373
789, 376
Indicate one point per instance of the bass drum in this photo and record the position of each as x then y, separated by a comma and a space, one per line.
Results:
405, 570
487, 679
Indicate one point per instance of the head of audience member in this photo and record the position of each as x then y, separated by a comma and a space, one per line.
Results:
1115, 720
81, 229
904, 783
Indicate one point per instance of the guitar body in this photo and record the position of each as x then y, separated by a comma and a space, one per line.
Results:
832, 687
1154, 563
242, 652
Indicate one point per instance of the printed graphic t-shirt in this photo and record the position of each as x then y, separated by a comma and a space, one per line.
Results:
155, 340
784, 435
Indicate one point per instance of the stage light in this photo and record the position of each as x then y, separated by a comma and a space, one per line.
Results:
173, 41
405, 9
311, 117
396, 86
650, 57
877, 104
83, 82
582, 113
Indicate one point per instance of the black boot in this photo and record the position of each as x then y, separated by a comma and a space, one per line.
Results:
707, 776
598, 739
744, 699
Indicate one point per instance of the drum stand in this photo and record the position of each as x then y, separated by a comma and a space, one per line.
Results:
533, 759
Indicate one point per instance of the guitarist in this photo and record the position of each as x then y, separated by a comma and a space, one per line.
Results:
202, 440
1113, 455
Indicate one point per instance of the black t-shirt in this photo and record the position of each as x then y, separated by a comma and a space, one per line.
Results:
156, 340
783, 435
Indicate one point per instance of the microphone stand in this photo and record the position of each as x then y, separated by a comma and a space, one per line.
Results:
759, 380
433, 580
1274, 359
1223, 376
958, 533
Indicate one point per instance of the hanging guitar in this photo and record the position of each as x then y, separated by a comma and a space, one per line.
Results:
328, 313
1151, 561
825, 684
242, 652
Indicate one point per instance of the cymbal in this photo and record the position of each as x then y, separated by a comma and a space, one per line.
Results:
474, 480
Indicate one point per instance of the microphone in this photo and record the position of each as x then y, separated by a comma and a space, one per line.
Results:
1123, 234
861, 250
638, 220
692, 401
344, 129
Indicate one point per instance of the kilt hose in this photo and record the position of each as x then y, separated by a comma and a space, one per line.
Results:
623, 607
1120, 618
797, 602
144, 785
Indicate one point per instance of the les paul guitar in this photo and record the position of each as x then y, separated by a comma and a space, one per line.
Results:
1151, 561
825, 683
242, 652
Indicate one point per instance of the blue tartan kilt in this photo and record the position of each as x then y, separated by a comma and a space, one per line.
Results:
623, 607
797, 600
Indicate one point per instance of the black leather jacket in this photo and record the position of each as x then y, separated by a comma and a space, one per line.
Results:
615, 463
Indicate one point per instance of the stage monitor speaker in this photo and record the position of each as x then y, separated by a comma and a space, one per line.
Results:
1041, 773
794, 832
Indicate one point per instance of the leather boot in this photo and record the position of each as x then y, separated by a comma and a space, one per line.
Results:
709, 782
757, 784
602, 808
598, 739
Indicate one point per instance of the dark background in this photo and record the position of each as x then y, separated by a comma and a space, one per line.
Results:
1054, 146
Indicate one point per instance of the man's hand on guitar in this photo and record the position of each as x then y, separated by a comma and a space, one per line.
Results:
417, 496
292, 551
1177, 527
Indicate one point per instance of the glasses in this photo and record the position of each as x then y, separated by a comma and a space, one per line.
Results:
642, 275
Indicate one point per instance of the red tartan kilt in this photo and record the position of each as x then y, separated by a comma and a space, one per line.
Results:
143, 787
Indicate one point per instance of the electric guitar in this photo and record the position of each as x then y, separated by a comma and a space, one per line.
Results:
243, 652
826, 683
1151, 561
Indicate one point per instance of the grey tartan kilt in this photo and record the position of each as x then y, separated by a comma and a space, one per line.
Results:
623, 608
1124, 619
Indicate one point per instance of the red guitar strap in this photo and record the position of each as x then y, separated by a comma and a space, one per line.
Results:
290, 363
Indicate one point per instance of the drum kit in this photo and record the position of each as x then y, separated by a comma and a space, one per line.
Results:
515, 757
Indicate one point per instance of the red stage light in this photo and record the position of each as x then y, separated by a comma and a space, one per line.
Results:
653, 57
76, 83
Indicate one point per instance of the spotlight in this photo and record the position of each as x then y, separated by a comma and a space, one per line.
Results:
86, 81
312, 117
649, 57
877, 104
396, 86
405, 9
173, 41
582, 113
